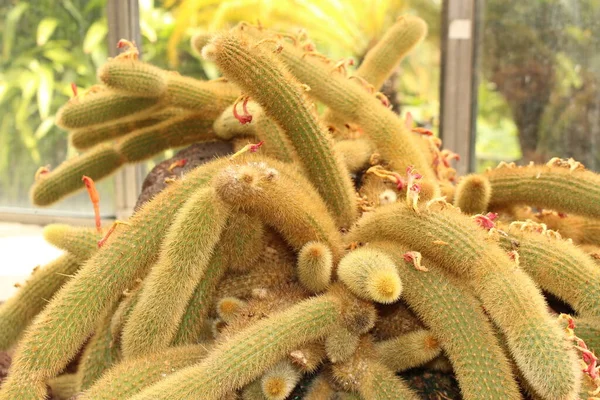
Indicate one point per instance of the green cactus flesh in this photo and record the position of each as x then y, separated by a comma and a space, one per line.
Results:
99, 108
131, 376
454, 316
96, 163
98, 285
282, 99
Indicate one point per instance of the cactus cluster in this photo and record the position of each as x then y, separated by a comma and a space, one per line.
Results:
253, 271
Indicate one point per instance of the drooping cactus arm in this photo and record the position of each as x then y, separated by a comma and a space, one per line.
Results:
97, 163
456, 243
246, 238
391, 137
383, 58
455, 318
106, 158
244, 356
341, 344
101, 107
396, 43
174, 132
315, 265
46, 348
99, 354
411, 350
183, 261
473, 194
89, 136
277, 200
80, 241
193, 319
262, 76
123, 311
131, 376
142, 79
556, 266
558, 188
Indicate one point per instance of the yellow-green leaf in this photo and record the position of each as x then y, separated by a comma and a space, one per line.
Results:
45, 29
43, 129
148, 31
58, 55
45, 91
94, 36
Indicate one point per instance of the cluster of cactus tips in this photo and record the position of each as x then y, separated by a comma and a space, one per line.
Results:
252, 272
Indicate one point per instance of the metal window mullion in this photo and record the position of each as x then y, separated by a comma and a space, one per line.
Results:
124, 23
458, 81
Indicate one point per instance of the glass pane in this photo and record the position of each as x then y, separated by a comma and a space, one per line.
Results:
539, 94
46, 46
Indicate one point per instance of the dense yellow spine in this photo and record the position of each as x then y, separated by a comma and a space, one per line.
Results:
556, 188
263, 77
243, 357
391, 137
398, 41
185, 256
17, 312
456, 243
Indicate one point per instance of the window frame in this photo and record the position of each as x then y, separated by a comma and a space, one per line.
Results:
458, 81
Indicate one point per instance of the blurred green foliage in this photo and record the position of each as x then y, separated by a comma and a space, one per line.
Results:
46, 46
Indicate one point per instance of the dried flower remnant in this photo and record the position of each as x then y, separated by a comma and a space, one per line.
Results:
41, 171
486, 221
415, 257
177, 164
110, 231
250, 147
95, 198
245, 118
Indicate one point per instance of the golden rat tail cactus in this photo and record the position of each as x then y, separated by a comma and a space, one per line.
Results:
252, 272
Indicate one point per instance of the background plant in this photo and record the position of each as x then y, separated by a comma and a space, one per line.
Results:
46, 46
